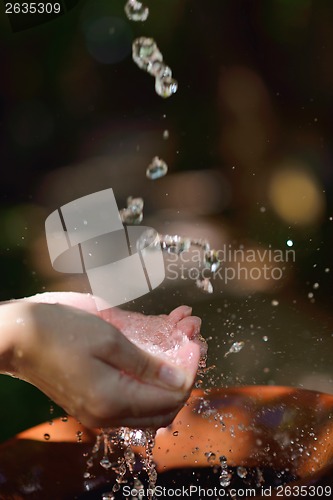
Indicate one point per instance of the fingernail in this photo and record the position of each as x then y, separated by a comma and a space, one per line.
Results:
173, 377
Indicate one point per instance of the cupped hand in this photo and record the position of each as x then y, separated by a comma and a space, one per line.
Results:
108, 369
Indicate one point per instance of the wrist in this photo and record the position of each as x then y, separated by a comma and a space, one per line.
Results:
13, 325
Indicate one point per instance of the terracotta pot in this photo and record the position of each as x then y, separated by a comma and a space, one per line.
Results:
273, 428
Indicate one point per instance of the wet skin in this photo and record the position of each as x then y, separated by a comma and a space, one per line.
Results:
82, 359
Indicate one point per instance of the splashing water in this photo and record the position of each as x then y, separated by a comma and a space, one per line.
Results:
157, 169
224, 475
235, 348
160, 338
136, 11
133, 214
205, 285
148, 57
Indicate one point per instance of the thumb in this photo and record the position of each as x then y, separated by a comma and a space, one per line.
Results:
125, 356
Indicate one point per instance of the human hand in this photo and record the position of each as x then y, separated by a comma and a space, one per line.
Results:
79, 358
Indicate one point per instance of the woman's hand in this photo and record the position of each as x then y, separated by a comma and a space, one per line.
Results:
81, 360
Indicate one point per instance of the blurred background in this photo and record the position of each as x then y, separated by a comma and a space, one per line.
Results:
249, 148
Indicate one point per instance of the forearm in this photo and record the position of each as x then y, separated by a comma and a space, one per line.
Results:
13, 318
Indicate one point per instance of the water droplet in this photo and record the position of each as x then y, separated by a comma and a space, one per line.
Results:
275, 303
175, 433
108, 496
166, 134
316, 286
137, 437
265, 338
145, 51
224, 479
175, 244
205, 285
211, 260
47, 437
79, 436
290, 243
136, 11
235, 348
241, 472
105, 463
157, 169
148, 57
211, 457
159, 70
64, 419
166, 86
133, 214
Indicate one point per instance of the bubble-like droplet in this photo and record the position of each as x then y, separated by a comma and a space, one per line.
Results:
105, 463
211, 457
175, 244
148, 57
175, 433
136, 11
108, 496
224, 479
241, 472
159, 70
211, 260
145, 51
235, 348
47, 437
166, 86
133, 214
137, 437
157, 169
224, 475
166, 134
205, 285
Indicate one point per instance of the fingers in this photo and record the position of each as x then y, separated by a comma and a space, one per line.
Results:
190, 326
179, 313
133, 404
125, 356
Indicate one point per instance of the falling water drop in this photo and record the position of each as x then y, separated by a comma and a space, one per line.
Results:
133, 214
224, 475
148, 57
145, 51
235, 348
211, 260
211, 457
205, 285
175, 244
105, 463
108, 496
136, 11
47, 437
241, 472
157, 169
166, 86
